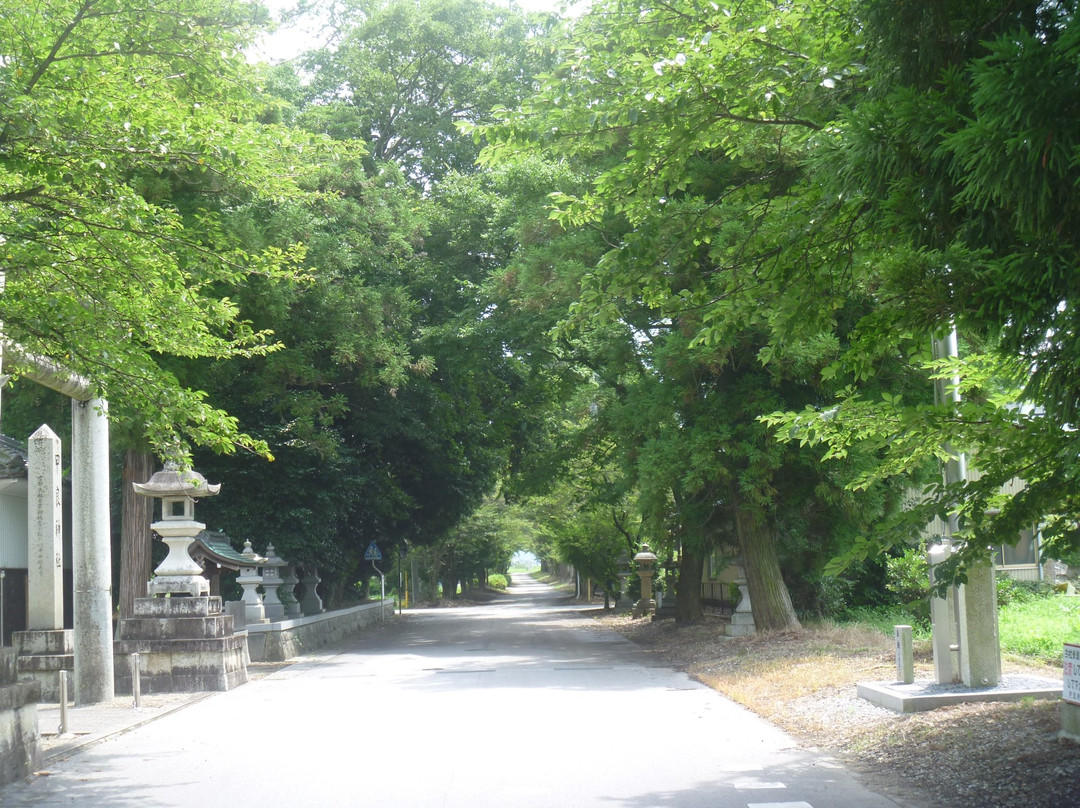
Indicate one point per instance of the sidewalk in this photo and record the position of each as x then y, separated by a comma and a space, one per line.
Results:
96, 722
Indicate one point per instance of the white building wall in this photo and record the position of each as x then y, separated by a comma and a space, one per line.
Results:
13, 531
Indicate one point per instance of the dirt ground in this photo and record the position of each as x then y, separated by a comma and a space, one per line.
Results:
990, 755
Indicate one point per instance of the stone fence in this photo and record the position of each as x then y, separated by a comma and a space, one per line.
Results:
285, 639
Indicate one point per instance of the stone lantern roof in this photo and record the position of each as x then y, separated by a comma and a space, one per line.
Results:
172, 482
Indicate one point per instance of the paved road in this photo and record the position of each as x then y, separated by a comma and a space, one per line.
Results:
523, 703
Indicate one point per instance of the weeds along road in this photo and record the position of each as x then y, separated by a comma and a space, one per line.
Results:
524, 702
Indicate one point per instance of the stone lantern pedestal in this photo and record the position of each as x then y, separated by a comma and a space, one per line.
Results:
184, 640
646, 561
742, 620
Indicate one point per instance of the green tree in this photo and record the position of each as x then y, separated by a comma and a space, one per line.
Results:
959, 161
695, 124
108, 109
400, 76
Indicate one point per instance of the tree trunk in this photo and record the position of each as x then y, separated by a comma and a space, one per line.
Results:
135, 540
769, 597
688, 589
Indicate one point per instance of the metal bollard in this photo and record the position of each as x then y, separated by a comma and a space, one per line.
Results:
63, 728
136, 685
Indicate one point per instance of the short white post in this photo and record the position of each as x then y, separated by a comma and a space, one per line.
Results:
63, 688
905, 656
136, 684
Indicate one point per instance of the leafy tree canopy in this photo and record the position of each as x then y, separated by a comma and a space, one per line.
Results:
128, 132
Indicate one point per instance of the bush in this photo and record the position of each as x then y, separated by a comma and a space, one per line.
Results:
1012, 591
497, 581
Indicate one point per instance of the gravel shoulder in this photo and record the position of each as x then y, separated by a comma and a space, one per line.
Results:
992, 755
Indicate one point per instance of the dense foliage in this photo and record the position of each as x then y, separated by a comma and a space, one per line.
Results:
694, 229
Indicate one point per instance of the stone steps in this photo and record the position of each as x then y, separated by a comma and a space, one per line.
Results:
42, 654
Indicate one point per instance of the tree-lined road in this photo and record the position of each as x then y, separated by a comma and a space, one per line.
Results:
524, 703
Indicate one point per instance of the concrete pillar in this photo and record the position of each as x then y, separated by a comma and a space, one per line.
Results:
943, 626
91, 552
980, 647
45, 574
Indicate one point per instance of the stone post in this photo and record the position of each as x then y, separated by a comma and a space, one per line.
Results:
980, 647
45, 576
905, 657
311, 602
90, 552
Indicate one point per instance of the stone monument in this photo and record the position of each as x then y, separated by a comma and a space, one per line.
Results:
45, 648
184, 639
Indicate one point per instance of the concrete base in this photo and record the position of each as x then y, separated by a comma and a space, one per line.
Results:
644, 607
741, 625
41, 657
277, 642
20, 749
184, 645
921, 696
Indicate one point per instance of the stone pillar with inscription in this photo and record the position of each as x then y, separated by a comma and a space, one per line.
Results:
45, 648
45, 572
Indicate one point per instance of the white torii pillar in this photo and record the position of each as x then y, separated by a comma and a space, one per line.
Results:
91, 534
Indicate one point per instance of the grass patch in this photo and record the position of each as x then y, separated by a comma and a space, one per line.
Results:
1038, 628
885, 618
1033, 628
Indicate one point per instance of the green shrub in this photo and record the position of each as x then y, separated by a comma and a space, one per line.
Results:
1012, 591
497, 581
908, 576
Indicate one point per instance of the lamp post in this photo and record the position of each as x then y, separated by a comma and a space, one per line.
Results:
646, 561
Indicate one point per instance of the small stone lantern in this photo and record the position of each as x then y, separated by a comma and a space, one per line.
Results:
178, 574
646, 561
249, 580
271, 580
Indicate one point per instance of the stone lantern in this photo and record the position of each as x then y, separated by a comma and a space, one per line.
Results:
249, 580
646, 561
178, 574
271, 580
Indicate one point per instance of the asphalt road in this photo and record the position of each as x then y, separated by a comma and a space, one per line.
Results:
523, 703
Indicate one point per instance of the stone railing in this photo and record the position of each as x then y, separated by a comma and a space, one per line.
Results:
285, 639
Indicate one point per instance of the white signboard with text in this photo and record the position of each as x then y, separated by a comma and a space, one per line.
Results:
1070, 690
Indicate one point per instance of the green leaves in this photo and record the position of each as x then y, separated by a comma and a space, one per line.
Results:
128, 137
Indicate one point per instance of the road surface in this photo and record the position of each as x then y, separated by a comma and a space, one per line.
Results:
524, 703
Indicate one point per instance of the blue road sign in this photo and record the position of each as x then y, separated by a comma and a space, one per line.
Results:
372, 553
